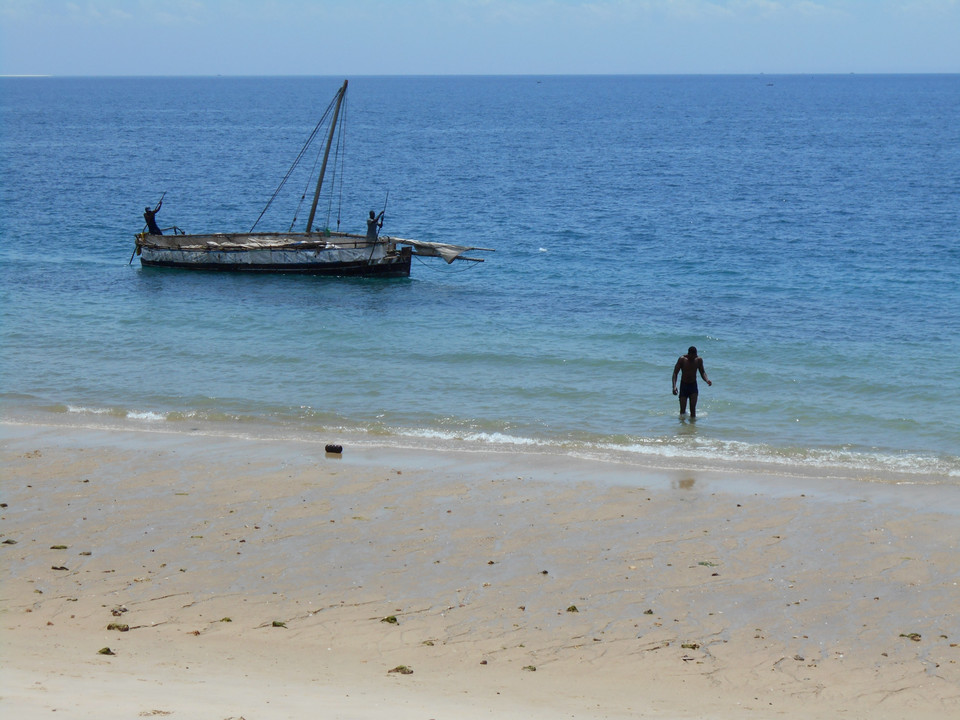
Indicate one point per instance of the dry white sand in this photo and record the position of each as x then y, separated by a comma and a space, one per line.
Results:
254, 578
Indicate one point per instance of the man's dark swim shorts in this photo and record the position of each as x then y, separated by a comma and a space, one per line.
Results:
688, 388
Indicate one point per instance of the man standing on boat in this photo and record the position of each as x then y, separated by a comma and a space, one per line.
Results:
151, 217
687, 368
374, 223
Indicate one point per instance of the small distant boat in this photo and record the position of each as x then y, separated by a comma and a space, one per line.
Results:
314, 252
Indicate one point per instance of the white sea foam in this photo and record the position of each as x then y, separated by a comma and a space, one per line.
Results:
88, 411
484, 438
711, 452
146, 415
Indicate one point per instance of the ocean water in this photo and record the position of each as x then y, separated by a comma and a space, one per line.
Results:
802, 231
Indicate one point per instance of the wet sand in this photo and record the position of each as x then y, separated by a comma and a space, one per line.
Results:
264, 578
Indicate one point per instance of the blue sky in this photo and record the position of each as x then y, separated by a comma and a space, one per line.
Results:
431, 37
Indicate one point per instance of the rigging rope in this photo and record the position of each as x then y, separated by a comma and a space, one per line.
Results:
296, 162
306, 189
338, 161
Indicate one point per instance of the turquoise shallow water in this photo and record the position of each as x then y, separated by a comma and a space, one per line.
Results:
802, 232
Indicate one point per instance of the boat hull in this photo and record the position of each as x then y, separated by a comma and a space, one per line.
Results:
306, 258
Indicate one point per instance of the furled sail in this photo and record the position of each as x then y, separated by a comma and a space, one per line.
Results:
447, 251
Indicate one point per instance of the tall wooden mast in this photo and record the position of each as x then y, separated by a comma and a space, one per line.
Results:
326, 154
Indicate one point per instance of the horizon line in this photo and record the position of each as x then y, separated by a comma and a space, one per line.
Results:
479, 75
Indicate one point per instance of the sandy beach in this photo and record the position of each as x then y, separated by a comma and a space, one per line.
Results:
197, 575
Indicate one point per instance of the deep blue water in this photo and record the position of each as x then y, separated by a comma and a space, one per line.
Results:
802, 231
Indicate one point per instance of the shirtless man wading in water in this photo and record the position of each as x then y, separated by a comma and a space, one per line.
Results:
687, 368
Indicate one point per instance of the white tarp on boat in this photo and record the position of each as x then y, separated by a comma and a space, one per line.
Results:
261, 249
263, 256
249, 241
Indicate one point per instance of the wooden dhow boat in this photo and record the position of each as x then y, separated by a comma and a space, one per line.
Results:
315, 252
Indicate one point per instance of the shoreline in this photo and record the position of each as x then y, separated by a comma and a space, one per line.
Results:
633, 593
659, 461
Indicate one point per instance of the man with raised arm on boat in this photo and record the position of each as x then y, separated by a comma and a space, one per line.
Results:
687, 368
151, 217
374, 223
